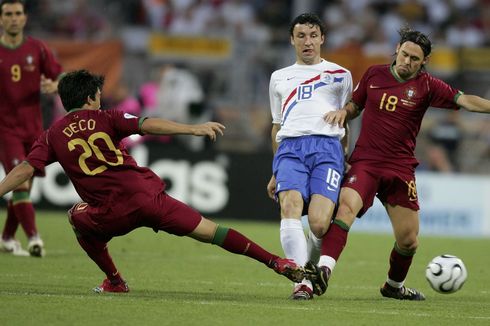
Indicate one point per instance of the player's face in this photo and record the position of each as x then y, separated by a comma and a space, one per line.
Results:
307, 40
409, 60
13, 18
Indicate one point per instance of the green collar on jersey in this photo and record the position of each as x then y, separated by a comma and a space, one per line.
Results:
75, 110
397, 77
12, 47
394, 73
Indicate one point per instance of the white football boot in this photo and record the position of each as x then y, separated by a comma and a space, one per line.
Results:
13, 247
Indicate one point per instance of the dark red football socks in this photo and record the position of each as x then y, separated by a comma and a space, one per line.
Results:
334, 241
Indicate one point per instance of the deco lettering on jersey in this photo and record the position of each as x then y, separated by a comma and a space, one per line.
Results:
80, 125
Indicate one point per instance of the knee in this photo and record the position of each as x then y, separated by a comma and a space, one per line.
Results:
319, 228
346, 214
291, 207
408, 244
319, 222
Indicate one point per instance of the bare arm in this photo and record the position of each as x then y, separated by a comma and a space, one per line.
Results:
271, 186
20, 174
156, 126
474, 103
274, 131
345, 141
350, 111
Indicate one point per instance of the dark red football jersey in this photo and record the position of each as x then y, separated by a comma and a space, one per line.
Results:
393, 112
20, 78
87, 144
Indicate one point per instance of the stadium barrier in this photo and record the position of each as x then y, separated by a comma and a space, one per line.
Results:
233, 185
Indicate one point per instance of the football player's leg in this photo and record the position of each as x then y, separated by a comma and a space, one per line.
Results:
237, 243
320, 213
334, 240
178, 218
8, 243
23, 209
292, 178
405, 223
11, 223
93, 244
327, 168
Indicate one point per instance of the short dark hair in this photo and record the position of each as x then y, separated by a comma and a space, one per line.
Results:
12, 2
307, 18
75, 87
419, 38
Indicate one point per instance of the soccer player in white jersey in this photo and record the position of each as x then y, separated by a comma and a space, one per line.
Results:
308, 154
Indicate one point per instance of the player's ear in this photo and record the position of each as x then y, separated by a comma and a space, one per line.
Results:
397, 48
426, 60
291, 39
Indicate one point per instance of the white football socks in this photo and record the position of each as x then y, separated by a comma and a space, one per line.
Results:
293, 242
327, 261
314, 246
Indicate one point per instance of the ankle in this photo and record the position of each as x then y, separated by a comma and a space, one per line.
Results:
116, 278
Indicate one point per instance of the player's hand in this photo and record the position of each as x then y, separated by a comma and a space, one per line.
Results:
210, 129
335, 117
48, 85
271, 188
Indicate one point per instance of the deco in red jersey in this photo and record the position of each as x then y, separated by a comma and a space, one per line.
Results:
87, 144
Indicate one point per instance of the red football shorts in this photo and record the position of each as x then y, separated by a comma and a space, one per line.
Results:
160, 213
391, 185
14, 150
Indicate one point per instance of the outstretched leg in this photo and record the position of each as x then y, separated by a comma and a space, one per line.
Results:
235, 242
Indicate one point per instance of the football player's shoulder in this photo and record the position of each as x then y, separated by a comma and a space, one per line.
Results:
280, 73
379, 68
34, 42
108, 113
332, 66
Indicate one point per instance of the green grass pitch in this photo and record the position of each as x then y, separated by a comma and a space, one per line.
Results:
178, 281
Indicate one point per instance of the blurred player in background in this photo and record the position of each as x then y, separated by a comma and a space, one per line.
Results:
394, 99
27, 68
119, 196
309, 157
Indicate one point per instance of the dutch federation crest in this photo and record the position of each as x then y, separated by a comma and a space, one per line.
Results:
410, 92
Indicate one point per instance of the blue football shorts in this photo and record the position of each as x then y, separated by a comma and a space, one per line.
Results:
310, 165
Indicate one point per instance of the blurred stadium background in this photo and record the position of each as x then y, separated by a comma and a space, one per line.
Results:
193, 60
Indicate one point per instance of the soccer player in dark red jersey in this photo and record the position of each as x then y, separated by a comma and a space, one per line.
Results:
27, 67
119, 196
394, 99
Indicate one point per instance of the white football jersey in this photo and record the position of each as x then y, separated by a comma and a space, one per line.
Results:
300, 95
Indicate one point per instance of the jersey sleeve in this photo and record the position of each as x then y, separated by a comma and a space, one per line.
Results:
275, 101
125, 123
41, 154
346, 89
50, 66
359, 95
442, 94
